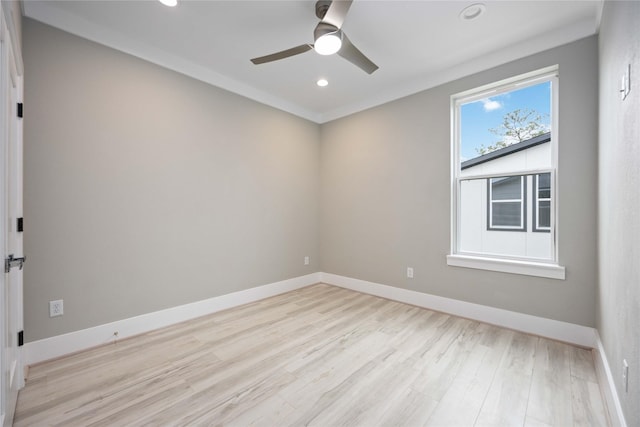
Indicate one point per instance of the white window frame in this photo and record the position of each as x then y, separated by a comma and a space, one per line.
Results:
528, 266
536, 205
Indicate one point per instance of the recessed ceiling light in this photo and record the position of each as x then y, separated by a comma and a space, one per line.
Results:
472, 12
322, 82
170, 3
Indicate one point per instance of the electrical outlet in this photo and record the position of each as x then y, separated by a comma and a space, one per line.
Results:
56, 308
625, 375
306, 260
409, 272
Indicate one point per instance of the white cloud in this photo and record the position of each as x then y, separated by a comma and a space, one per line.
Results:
491, 105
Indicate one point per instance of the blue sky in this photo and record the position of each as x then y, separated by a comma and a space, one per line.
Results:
480, 116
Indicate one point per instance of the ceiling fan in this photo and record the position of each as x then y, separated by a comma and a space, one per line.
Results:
328, 37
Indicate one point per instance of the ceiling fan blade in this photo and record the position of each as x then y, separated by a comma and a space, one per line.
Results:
351, 53
282, 54
337, 12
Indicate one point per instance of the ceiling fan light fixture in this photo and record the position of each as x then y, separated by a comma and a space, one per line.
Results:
170, 3
328, 44
328, 38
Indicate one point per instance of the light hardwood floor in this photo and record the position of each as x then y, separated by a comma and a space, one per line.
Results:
321, 356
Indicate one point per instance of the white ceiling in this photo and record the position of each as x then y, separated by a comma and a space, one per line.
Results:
416, 44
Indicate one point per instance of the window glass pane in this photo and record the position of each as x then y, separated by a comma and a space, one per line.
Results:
495, 228
503, 135
506, 214
494, 129
544, 186
544, 214
506, 188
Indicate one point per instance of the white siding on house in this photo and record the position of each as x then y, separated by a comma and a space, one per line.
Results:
475, 237
536, 157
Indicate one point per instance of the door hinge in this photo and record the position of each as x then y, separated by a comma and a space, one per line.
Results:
20, 225
20, 109
20, 338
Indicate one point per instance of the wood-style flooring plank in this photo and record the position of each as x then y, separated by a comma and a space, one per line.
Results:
507, 398
322, 356
586, 403
462, 401
551, 385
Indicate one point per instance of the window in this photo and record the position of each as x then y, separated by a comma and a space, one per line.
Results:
504, 169
506, 203
542, 193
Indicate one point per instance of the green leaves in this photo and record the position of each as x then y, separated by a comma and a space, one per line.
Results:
517, 126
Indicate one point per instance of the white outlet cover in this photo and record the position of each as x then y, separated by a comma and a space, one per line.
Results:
56, 308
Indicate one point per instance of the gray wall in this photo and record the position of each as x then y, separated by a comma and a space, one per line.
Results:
619, 205
145, 189
385, 195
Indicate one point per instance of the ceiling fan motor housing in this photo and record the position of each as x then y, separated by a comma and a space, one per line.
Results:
321, 8
328, 38
323, 29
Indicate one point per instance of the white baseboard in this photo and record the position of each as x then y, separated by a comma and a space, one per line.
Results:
548, 328
607, 386
60, 345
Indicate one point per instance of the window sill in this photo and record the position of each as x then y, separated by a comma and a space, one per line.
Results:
527, 268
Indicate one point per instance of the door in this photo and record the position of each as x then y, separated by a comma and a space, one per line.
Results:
12, 375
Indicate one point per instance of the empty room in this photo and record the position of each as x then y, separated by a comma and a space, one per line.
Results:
288, 213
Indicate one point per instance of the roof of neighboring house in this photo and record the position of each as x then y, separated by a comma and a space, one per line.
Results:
513, 148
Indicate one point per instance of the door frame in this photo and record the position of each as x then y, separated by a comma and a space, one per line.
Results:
11, 151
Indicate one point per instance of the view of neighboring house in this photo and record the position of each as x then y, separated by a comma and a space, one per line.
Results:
508, 215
